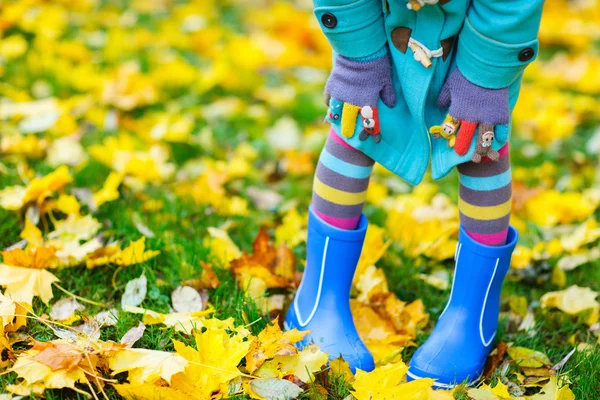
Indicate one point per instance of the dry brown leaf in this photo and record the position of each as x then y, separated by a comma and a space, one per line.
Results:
57, 355
275, 267
208, 278
494, 359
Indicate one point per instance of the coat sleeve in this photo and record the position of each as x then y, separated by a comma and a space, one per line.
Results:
498, 40
354, 28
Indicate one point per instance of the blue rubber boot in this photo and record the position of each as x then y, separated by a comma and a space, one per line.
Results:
322, 302
464, 334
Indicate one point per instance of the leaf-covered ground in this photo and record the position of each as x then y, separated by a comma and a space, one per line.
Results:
156, 161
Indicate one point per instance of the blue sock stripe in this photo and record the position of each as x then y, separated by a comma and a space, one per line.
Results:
486, 183
343, 167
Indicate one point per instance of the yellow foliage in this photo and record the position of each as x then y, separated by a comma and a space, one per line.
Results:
212, 364
23, 284
551, 207
573, 300
147, 365
135, 253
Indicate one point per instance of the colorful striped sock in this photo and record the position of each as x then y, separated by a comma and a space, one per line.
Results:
340, 184
485, 199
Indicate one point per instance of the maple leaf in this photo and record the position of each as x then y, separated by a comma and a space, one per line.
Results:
382, 383
208, 278
272, 342
53, 365
274, 266
212, 364
135, 253
147, 365
372, 281
36, 258
378, 334
22, 284
405, 318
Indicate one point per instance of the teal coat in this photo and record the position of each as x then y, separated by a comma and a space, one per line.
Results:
490, 41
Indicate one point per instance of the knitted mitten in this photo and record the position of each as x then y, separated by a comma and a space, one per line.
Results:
474, 105
359, 84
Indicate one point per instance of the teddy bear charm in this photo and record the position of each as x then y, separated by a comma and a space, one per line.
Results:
483, 147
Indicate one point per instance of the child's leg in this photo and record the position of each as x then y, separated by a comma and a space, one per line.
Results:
340, 185
335, 236
485, 199
464, 334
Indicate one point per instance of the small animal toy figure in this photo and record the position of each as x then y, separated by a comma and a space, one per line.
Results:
335, 111
483, 148
447, 130
370, 122
416, 5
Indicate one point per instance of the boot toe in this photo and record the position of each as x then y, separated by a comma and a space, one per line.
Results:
447, 369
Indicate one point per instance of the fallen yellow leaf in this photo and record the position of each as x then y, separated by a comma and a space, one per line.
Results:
23, 284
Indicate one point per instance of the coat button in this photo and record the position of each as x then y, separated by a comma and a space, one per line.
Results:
329, 20
526, 54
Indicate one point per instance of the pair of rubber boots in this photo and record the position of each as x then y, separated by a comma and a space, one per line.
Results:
463, 336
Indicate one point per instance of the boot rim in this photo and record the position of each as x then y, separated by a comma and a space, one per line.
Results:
338, 234
486, 250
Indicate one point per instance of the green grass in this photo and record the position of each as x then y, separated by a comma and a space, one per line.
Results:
179, 229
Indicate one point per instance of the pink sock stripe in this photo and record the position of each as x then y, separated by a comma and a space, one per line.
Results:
503, 152
338, 139
342, 223
490, 239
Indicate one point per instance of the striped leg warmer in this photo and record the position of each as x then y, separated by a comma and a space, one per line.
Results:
341, 181
485, 199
